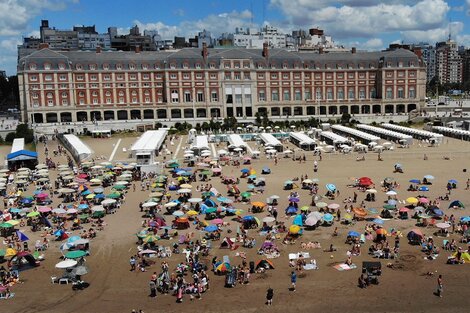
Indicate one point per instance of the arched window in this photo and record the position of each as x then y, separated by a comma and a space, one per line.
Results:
411, 92
389, 93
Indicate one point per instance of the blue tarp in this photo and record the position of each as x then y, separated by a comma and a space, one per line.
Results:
22, 155
298, 220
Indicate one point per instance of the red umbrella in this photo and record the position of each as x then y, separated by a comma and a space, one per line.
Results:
365, 181
404, 209
217, 221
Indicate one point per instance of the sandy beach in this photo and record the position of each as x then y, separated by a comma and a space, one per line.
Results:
405, 288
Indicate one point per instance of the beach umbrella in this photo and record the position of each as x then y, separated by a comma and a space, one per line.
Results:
412, 200
71, 211
223, 267
211, 228
378, 221
328, 217
5, 225
353, 233
178, 213
381, 231
389, 207
404, 209
66, 264
210, 210
294, 199
97, 208
321, 205
99, 196
151, 238
59, 211
44, 209
274, 197
372, 211
90, 196
83, 206
75, 254
155, 194
414, 181
360, 212
305, 208
149, 204
423, 188
32, 214
391, 193
170, 204
452, 181
108, 201
119, 187
268, 219
217, 221
294, 229
429, 177
437, 212
392, 202
66, 190
456, 204
80, 271
114, 195
371, 191
195, 200
258, 204
13, 222
423, 200
365, 181
442, 225
245, 194
311, 221
331, 187
465, 219
191, 213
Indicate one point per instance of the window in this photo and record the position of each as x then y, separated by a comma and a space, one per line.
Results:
172, 66
106, 67
351, 75
362, 93
228, 76
389, 93
212, 65
81, 101
389, 74
49, 95
213, 76
81, 94
187, 96
285, 76
237, 65
92, 67
362, 75
237, 76
198, 66
262, 96
318, 94
400, 93
246, 76
147, 100
93, 77
174, 96
132, 66
373, 93
200, 96
146, 76
198, 76
296, 76
158, 76
172, 76
34, 95
229, 99
412, 74
401, 74
214, 97
248, 99
246, 64
47, 66
64, 95
108, 100
339, 76
121, 100
227, 65
351, 93
340, 93
329, 76
33, 78
286, 95
275, 95
273, 76
119, 66
185, 76
32, 67
50, 103
238, 99
108, 93
308, 94
61, 66
132, 77
95, 101
298, 95
145, 66
329, 94
134, 100
106, 77
94, 93
411, 93
48, 77
121, 93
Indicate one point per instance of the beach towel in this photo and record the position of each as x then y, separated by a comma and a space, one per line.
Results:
309, 267
295, 256
344, 267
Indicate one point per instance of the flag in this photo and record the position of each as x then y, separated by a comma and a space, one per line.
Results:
22, 236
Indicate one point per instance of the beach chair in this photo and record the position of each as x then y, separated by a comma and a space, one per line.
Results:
168, 252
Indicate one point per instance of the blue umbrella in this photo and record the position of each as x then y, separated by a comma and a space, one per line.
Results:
392, 202
353, 233
98, 190
438, 212
73, 239
210, 228
378, 221
85, 193
423, 188
210, 203
26, 201
248, 218
83, 206
100, 196
331, 187
298, 220
452, 181
250, 187
465, 219
291, 210
245, 170
37, 191
15, 210
252, 177
328, 217
414, 181
294, 199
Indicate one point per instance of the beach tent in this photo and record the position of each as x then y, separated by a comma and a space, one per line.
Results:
266, 264
415, 236
17, 260
227, 243
463, 256
456, 204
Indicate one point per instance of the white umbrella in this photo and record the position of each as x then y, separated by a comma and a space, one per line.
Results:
108, 201
443, 225
149, 204
372, 143
271, 151
371, 191
66, 264
268, 219
321, 205
195, 200
275, 197
97, 208
96, 167
391, 193
170, 204
288, 151
65, 190
123, 183
188, 155
184, 190
59, 211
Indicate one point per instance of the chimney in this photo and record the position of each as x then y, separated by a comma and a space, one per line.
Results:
43, 45
204, 52
98, 49
265, 50
137, 49
353, 50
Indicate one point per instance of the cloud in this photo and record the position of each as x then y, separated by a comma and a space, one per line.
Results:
10, 45
433, 35
216, 23
365, 18
179, 12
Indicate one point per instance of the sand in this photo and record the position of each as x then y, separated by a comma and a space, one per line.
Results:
114, 289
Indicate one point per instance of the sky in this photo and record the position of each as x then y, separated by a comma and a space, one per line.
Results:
365, 24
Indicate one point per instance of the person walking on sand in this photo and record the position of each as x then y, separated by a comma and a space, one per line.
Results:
293, 280
439, 287
132, 262
269, 296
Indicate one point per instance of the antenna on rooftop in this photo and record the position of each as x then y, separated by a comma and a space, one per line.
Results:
264, 13
450, 29
251, 11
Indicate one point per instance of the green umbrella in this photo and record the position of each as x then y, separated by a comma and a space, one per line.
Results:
113, 195
151, 238
119, 187
211, 210
245, 194
5, 225
174, 165
84, 216
75, 254
207, 194
2, 252
206, 172
161, 179
32, 214
389, 207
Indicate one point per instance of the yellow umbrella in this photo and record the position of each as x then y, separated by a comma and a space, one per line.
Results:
294, 229
13, 222
10, 252
412, 200
191, 213
90, 196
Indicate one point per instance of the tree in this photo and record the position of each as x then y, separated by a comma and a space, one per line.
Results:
345, 118
10, 137
258, 119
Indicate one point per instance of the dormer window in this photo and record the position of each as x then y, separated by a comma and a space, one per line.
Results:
198, 66
172, 66
212, 65
284, 65
92, 67
79, 67
157, 66
105, 66
119, 66
145, 66
61, 66
132, 66
47, 66
185, 65
32, 66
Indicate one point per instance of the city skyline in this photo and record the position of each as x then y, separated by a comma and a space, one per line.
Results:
369, 25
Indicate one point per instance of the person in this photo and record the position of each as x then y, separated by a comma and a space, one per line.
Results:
153, 288
269, 296
132, 262
293, 280
439, 286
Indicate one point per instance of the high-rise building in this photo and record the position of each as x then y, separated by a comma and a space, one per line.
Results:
448, 62
466, 66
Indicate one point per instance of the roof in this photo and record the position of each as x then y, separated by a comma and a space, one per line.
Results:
191, 56
27, 153
150, 141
